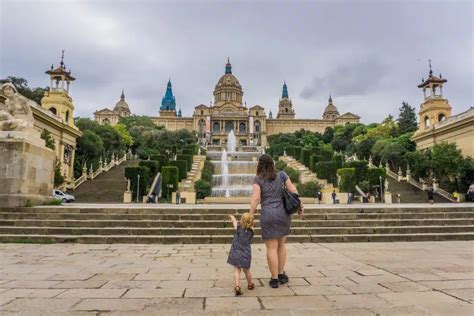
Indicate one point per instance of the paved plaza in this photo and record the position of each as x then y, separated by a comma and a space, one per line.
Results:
418, 278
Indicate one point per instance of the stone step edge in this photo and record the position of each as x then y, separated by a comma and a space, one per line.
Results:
225, 239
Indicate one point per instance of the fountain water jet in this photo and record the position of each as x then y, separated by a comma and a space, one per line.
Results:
231, 142
225, 171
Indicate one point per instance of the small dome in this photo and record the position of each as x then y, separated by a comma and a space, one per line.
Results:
228, 80
121, 106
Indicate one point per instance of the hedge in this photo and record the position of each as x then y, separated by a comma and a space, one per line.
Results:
338, 160
308, 189
293, 174
326, 170
280, 165
188, 152
294, 151
348, 179
361, 169
170, 175
162, 160
305, 157
324, 154
207, 171
188, 158
182, 167
374, 174
153, 166
132, 174
203, 189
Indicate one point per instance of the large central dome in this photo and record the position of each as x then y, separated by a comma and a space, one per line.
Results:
228, 88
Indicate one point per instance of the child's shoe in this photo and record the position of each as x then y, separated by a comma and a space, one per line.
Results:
238, 291
251, 286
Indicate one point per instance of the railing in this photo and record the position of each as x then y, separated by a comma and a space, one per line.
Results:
445, 194
415, 183
91, 174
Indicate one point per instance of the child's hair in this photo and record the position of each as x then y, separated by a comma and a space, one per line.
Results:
246, 220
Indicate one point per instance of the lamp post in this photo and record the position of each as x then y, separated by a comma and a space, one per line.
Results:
381, 189
170, 187
138, 186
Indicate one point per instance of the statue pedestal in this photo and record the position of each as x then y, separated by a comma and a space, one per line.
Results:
26, 169
387, 196
127, 197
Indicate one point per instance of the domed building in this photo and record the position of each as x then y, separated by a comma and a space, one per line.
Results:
250, 124
107, 116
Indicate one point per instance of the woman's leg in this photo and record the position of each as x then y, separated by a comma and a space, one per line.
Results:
281, 254
237, 276
272, 256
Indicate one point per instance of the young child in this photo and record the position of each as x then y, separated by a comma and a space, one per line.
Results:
240, 255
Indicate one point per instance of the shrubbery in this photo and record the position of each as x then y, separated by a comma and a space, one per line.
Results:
203, 189
348, 179
162, 160
293, 174
132, 174
182, 168
309, 189
170, 175
306, 157
280, 165
188, 158
360, 167
153, 166
326, 170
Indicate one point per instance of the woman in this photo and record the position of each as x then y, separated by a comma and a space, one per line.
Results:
274, 221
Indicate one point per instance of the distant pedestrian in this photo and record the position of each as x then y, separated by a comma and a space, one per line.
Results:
349, 198
430, 193
152, 198
470, 192
368, 197
240, 254
178, 197
319, 196
456, 196
334, 196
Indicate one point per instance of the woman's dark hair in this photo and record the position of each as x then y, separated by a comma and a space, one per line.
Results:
266, 168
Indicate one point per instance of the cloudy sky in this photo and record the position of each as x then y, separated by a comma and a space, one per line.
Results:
369, 54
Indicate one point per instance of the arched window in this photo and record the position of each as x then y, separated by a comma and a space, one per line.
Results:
427, 122
53, 110
106, 121
67, 117
257, 126
441, 117
202, 112
242, 128
286, 110
216, 127
256, 113
229, 125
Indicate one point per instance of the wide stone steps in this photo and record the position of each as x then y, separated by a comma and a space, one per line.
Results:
210, 224
225, 239
222, 224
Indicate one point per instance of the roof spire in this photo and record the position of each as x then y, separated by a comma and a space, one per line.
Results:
330, 98
284, 93
122, 96
431, 70
62, 60
228, 67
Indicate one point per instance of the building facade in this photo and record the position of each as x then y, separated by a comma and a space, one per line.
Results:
213, 122
436, 124
107, 116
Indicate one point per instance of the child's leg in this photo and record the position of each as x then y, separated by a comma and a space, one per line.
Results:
248, 276
237, 276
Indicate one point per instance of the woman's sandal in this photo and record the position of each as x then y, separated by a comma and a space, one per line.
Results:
251, 286
238, 291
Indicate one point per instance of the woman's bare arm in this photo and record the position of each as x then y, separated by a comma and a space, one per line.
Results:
255, 199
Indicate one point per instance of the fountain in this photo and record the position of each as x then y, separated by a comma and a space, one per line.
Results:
234, 172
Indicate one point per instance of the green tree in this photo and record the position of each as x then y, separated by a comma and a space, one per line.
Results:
89, 146
328, 135
445, 160
407, 118
48, 139
348, 179
127, 139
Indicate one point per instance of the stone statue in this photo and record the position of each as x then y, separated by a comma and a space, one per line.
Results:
15, 114
385, 185
128, 184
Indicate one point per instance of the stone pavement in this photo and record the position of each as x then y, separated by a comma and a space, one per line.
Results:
417, 278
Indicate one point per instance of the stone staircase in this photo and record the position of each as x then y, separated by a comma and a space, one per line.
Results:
410, 194
146, 223
108, 187
193, 175
306, 175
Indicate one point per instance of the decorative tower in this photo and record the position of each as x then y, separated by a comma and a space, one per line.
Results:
285, 107
57, 98
168, 103
330, 112
270, 115
435, 107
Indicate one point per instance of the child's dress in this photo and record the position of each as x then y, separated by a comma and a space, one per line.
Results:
240, 254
